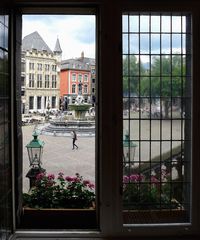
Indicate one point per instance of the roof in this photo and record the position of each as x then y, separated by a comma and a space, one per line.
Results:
57, 47
86, 60
74, 64
34, 41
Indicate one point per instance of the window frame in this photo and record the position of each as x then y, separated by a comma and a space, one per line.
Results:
110, 126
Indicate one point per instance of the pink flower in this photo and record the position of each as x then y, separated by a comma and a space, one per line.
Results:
154, 179
91, 185
51, 176
40, 176
125, 179
86, 182
69, 179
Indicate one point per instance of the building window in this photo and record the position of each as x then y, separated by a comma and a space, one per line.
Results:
53, 102
31, 66
22, 81
85, 77
73, 88
93, 80
39, 105
39, 80
73, 77
80, 77
39, 66
85, 89
31, 102
46, 67
46, 84
156, 115
23, 66
31, 80
54, 81
54, 68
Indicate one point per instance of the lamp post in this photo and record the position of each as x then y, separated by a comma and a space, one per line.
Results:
35, 152
129, 148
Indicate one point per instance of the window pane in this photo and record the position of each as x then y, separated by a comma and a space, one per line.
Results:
155, 131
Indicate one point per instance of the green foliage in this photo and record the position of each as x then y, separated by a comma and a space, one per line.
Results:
68, 192
131, 71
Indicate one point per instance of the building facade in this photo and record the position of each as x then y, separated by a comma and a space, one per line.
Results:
40, 75
75, 79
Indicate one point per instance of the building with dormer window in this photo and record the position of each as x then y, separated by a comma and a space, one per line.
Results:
40, 74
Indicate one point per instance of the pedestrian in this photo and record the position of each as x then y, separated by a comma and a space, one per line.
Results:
74, 138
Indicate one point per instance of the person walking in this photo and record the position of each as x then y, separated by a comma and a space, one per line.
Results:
74, 138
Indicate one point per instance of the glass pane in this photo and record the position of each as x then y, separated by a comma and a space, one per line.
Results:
156, 121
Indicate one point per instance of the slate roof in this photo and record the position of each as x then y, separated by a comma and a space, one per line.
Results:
34, 41
57, 48
74, 64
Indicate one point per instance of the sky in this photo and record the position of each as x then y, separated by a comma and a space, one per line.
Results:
76, 33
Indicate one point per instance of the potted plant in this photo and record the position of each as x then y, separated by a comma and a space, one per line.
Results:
59, 202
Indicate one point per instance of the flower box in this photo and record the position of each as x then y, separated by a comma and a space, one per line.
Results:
58, 219
155, 216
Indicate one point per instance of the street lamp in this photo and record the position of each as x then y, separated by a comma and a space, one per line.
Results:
35, 152
128, 150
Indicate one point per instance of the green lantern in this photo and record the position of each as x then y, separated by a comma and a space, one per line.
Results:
129, 149
35, 151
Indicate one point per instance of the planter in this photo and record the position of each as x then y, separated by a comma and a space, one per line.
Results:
155, 216
58, 219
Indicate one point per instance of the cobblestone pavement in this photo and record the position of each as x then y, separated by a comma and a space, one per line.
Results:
58, 155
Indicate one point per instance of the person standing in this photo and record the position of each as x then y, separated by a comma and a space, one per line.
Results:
74, 138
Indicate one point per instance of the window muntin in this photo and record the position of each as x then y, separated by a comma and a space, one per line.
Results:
156, 116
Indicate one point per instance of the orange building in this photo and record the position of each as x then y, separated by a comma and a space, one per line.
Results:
75, 78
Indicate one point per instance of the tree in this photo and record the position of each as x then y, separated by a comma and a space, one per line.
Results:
166, 80
132, 69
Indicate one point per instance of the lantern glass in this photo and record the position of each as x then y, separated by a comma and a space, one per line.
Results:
35, 156
35, 151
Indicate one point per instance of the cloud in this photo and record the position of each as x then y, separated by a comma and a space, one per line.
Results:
76, 33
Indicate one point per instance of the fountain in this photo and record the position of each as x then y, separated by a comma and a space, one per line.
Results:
82, 124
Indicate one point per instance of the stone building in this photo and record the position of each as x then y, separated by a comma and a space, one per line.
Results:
40, 74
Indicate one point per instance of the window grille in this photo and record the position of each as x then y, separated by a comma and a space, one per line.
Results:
156, 117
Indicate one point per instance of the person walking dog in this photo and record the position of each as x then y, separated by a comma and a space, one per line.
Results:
74, 138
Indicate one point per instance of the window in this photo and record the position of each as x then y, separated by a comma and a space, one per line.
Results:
39, 80
80, 77
156, 116
85, 89
118, 118
39, 106
31, 66
85, 77
53, 102
54, 68
31, 80
31, 102
39, 66
73, 88
54, 81
46, 84
46, 67
74, 77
